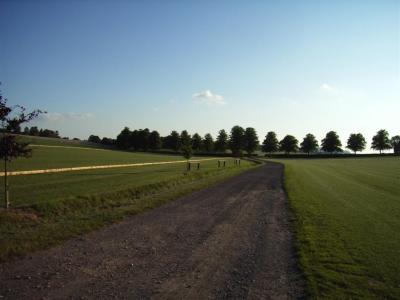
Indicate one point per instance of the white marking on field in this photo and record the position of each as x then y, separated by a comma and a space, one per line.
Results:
32, 172
68, 147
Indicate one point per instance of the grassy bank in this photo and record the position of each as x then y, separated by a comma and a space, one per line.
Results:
347, 216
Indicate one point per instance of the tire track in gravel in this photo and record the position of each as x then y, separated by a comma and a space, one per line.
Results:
228, 241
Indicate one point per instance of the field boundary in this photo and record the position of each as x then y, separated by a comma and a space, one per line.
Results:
58, 170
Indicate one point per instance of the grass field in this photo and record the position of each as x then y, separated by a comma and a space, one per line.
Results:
49, 208
347, 216
60, 157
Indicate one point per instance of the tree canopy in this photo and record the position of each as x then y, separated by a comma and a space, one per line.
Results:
250, 140
221, 144
154, 140
356, 142
237, 140
395, 142
309, 144
270, 143
208, 143
197, 142
331, 143
381, 141
289, 144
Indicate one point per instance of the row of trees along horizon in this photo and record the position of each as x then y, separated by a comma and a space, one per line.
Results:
241, 139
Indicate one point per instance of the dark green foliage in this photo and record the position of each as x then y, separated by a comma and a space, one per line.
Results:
395, 142
208, 143
197, 142
270, 143
356, 142
143, 139
381, 141
185, 139
174, 141
331, 143
34, 131
124, 139
221, 144
94, 139
250, 140
107, 141
237, 140
154, 140
289, 144
309, 144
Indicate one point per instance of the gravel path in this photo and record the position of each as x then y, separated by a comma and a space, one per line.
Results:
229, 241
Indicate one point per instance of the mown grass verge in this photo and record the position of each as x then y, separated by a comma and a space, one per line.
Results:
347, 223
41, 224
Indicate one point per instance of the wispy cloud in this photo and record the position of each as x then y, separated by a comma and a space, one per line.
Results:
68, 116
325, 87
209, 98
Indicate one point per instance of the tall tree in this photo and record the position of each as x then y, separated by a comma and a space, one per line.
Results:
356, 142
381, 141
135, 140
175, 141
309, 144
221, 144
236, 140
154, 140
270, 143
395, 142
208, 143
331, 143
10, 147
143, 138
185, 138
197, 142
123, 139
289, 144
250, 140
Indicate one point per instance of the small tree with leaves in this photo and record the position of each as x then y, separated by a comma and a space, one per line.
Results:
237, 140
250, 140
221, 144
309, 144
270, 143
187, 153
395, 142
289, 144
356, 142
381, 141
331, 143
10, 147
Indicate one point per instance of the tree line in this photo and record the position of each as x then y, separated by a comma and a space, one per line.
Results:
330, 144
239, 140
242, 140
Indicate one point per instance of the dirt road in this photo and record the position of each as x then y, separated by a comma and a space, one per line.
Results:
229, 241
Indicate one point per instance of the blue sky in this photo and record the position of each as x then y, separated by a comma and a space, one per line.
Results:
289, 66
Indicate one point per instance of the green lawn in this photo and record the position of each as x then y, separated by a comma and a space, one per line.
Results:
49, 208
58, 157
347, 216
